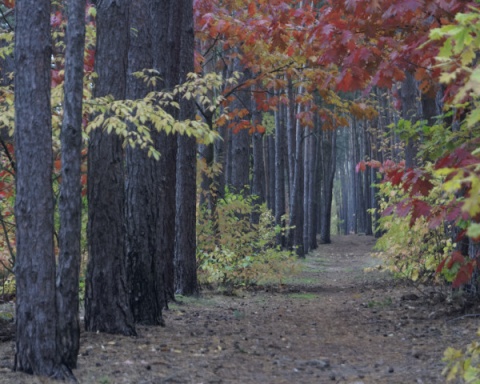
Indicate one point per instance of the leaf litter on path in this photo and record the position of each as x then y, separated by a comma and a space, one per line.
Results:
331, 323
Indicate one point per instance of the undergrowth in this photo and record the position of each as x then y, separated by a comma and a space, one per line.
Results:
233, 252
410, 251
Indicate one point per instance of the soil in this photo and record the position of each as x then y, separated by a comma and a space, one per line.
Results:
331, 323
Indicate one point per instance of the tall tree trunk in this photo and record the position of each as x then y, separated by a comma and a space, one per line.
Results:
258, 174
228, 157
280, 136
70, 204
186, 188
296, 196
329, 150
290, 118
408, 93
368, 185
258, 185
107, 307
145, 263
312, 193
36, 320
307, 161
220, 152
270, 166
241, 142
165, 34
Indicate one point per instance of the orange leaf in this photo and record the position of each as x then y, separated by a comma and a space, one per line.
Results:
261, 129
252, 9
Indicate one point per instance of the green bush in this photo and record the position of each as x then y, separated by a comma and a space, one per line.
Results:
415, 251
234, 252
463, 365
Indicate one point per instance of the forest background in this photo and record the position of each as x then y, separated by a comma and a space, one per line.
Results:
211, 156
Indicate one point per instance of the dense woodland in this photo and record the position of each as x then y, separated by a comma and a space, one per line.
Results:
152, 148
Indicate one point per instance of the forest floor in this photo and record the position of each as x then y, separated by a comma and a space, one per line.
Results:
331, 323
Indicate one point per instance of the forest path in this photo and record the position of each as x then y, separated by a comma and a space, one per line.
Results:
332, 323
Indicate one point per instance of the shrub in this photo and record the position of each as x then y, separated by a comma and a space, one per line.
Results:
411, 250
234, 252
463, 364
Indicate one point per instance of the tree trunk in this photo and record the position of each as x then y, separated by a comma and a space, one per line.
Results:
296, 196
312, 193
408, 92
186, 188
241, 142
270, 166
36, 320
280, 136
70, 204
145, 263
107, 307
290, 141
329, 150
165, 33
307, 160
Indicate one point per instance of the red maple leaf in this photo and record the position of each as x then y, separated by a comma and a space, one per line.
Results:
464, 274
419, 209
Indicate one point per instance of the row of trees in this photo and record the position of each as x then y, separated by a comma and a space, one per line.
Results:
140, 212
299, 92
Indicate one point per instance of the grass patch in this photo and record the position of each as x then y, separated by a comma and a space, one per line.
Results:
380, 304
301, 281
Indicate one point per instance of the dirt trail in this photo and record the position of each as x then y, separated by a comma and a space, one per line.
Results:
333, 323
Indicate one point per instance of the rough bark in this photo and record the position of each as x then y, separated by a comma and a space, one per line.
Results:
107, 307
145, 262
166, 32
186, 194
70, 204
36, 320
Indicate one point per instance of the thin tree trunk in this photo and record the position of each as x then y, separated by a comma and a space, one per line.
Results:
307, 161
291, 137
165, 34
280, 136
186, 188
270, 150
241, 143
296, 196
36, 320
70, 204
312, 194
329, 175
258, 174
408, 92
107, 307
